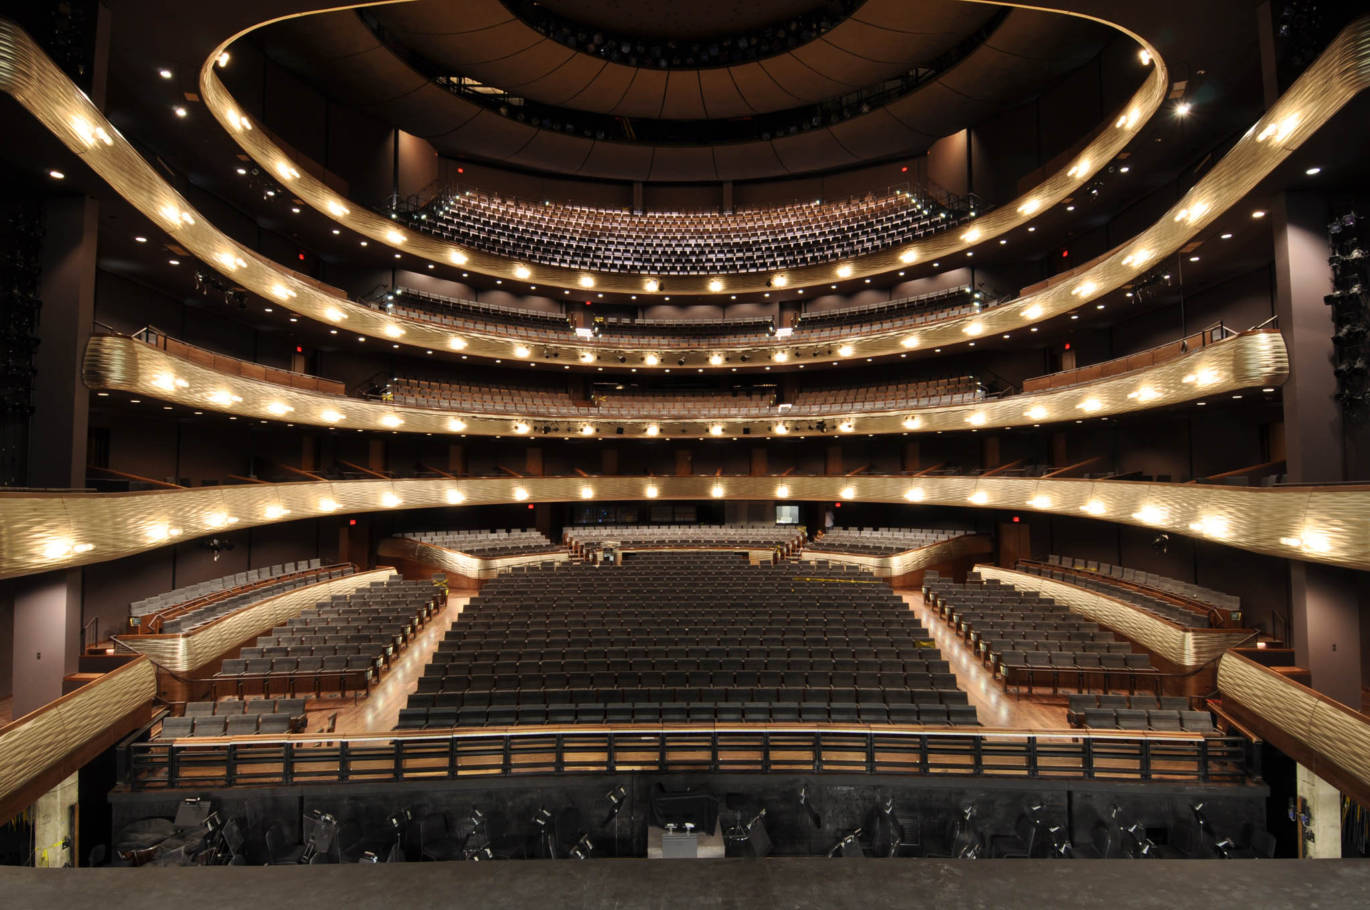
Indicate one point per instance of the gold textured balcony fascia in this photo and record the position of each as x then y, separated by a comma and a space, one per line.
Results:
46, 531
897, 564
1250, 360
1110, 139
183, 653
1324, 88
457, 562
1185, 647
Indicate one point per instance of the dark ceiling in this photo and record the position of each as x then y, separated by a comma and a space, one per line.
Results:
1024, 52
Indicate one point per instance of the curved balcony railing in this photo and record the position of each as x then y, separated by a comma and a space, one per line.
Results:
1254, 359
1324, 524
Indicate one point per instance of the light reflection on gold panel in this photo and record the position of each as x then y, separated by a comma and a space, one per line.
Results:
1111, 138
909, 560
1313, 721
457, 562
1250, 360
1324, 88
181, 653
1186, 647
44, 531
36, 742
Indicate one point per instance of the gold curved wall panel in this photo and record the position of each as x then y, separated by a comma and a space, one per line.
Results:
1250, 360
45, 531
1310, 720
1110, 139
181, 653
1186, 647
457, 562
909, 560
36, 742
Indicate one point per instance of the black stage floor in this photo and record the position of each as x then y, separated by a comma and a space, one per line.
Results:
820, 884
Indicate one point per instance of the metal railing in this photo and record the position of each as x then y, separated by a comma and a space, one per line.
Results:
324, 759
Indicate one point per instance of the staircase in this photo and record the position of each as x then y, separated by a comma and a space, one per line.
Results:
1278, 657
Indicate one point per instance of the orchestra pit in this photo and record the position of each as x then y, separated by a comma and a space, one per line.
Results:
603, 454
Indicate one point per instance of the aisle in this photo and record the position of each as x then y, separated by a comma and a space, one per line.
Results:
995, 707
380, 711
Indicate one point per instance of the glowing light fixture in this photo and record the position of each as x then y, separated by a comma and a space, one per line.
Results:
715, 285
456, 424
782, 491
847, 492
651, 492
1094, 507
979, 497
717, 491
587, 492
912, 423
914, 494
455, 497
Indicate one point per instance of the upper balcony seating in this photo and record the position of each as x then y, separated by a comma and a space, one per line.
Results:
1028, 637
742, 536
483, 398
879, 541
539, 325
1110, 575
217, 586
487, 544
236, 717
682, 243
686, 638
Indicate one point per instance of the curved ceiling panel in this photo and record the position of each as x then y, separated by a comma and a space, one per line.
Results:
1026, 50
484, 40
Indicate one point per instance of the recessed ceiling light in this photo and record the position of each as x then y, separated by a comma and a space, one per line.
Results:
140, 239
1070, 208
242, 171
1193, 258
295, 209
173, 262
1224, 236
1258, 213
179, 111
1313, 171
164, 73
336, 231
57, 175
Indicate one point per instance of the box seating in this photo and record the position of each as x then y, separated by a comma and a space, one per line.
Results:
187, 593
1025, 636
339, 644
199, 614
879, 541
682, 243
680, 638
487, 544
1120, 582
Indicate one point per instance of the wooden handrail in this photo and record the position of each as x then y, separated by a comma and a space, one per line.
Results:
357, 467
124, 475
1003, 467
155, 621
248, 479
301, 471
1071, 468
929, 469
1242, 472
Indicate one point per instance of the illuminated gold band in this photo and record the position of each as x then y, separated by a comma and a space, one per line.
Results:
44, 531
1251, 360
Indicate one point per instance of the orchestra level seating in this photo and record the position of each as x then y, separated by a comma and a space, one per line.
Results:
683, 638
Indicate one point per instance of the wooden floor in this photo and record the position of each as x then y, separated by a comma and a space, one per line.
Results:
380, 711
995, 707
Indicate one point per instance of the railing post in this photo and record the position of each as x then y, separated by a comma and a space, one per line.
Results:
979, 752
924, 762
609, 758
288, 763
1145, 763
507, 759
1032, 766
559, 759
344, 761
1088, 756
870, 752
172, 772
817, 751
230, 764
1203, 760
766, 751
396, 759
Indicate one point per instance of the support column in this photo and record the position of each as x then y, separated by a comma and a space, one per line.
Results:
1322, 803
608, 461
832, 463
532, 461
910, 460
47, 636
684, 463
309, 451
1325, 612
54, 827
375, 455
759, 465
58, 429
456, 459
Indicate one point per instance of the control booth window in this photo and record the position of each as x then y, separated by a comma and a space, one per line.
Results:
787, 515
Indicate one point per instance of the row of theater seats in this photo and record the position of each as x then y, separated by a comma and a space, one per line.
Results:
1139, 712
741, 536
1230, 603
816, 328
192, 619
488, 544
675, 243
686, 637
236, 717
1026, 636
879, 541
1150, 603
527, 400
187, 593
348, 635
